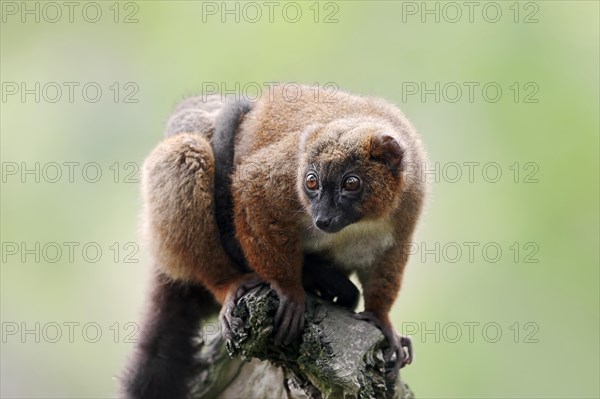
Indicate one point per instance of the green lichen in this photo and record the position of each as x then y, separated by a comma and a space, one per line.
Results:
255, 329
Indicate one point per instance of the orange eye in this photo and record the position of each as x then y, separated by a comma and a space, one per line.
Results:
312, 183
352, 183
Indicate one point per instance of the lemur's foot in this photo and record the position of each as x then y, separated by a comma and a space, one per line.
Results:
399, 352
289, 319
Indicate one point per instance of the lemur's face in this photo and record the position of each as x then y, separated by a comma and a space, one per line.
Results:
336, 191
344, 176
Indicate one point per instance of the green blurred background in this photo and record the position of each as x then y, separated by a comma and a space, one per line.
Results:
544, 57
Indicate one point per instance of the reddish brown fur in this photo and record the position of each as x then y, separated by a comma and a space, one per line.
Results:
270, 211
270, 215
179, 215
190, 263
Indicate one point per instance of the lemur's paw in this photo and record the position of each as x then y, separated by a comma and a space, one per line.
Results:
289, 319
399, 352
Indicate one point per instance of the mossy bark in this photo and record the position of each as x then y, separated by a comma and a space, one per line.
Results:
337, 356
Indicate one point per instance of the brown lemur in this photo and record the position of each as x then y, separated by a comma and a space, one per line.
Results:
187, 221
336, 178
321, 186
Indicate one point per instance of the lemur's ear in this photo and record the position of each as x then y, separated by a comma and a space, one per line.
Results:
387, 149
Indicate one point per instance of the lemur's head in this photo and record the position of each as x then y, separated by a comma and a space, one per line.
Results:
350, 170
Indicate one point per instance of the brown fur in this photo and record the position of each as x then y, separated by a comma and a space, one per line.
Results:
270, 213
179, 215
191, 267
270, 210
272, 220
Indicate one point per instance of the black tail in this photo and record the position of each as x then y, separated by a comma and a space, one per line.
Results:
163, 361
223, 143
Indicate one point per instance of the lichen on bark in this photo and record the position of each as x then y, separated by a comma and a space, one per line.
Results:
337, 356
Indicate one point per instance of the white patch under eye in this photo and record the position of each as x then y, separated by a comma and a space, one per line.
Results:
355, 247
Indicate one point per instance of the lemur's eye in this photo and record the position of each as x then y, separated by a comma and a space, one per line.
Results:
312, 183
351, 183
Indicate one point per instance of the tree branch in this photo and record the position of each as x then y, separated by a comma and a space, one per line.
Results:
337, 356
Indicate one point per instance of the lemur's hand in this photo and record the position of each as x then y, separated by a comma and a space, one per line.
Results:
395, 356
289, 318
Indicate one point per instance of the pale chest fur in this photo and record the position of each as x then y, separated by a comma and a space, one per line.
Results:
354, 248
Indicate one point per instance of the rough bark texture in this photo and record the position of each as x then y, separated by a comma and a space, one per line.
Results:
336, 357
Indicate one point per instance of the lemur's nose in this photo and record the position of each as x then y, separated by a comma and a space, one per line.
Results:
323, 222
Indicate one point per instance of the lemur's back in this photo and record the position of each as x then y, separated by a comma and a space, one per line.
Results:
282, 112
